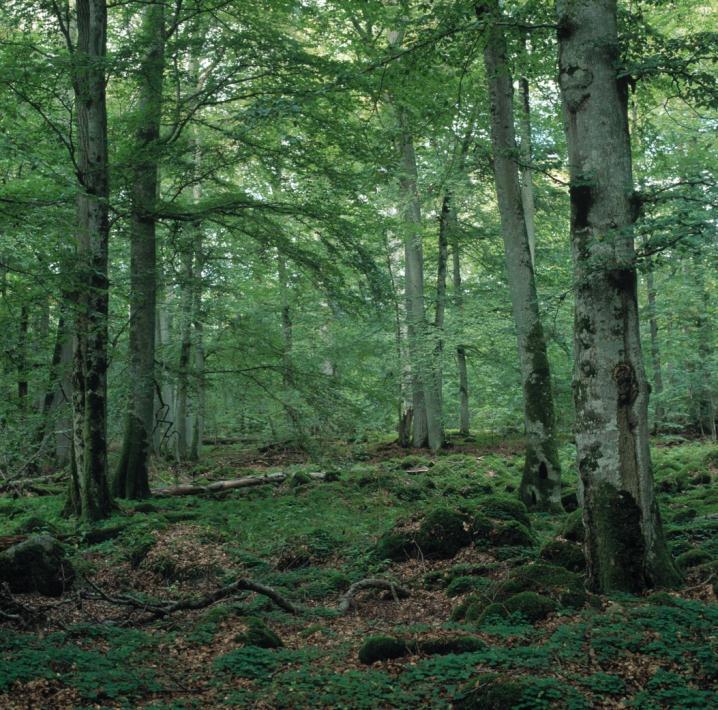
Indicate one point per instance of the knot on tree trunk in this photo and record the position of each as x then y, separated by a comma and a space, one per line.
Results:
626, 384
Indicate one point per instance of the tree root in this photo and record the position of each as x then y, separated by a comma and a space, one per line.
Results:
158, 609
347, 600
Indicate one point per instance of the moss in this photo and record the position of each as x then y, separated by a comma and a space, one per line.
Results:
259, 634
480, 614
661, 599
456, 644
491, 692
503, 508
531, 605
300, 478
395, 546
382, 648
38, 564
684, 515
513, 534
617, 546
36, 525
481, 528
470, 608
442, 534
701, 479
573, 529
693, 558
465, 584
558, 583
564, 554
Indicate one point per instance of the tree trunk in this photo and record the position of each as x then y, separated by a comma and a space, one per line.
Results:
460, 349
23, 388
131, 477
89, 491
183, 369
541, 480
625, 547
527, 187
441, 269
655, 348
426, 403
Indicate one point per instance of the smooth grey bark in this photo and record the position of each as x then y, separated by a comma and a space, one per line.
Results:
625, 546
131, 477
182, 399
426, 402
705, 402
655, 347
527, 188
89, 490
541, 480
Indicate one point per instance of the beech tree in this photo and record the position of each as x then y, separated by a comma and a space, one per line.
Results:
625, 546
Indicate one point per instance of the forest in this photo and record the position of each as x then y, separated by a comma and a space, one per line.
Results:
358, 354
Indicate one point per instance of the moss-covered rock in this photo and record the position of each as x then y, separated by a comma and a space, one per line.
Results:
259, 634
564, 554
684, 515
558, 583
512, 533
661, 599
531, 605
382, 648
693, 558
34, 524
505, 508
573, 529
442, 534
300, 478
38, 564
491, 692
395, 546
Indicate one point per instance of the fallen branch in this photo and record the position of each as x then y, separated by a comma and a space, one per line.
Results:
189, 489
347, 600
164, 608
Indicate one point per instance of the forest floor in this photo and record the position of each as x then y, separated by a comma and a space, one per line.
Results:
556, 646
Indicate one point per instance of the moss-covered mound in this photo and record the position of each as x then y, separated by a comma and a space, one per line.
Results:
259, 634
440, 535
38, 564
530, 605
382, 648
504, 508
564, 554
454, 644
693, 558
557, 583
512, 534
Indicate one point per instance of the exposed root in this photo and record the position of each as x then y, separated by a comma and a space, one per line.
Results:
347, 600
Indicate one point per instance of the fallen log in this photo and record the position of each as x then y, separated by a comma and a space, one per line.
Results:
191, 489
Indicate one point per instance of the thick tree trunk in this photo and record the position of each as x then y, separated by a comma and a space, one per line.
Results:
464, 417
89, 491
625, 547
131, 477
541, 481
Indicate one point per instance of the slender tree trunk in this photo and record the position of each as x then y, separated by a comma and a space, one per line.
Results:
131, 477
527, 187
286, 320
183, 368
464, 417
541, 481
426, 402
441, 269
89, 491
625, 547
706, 409
23, 387
655, 348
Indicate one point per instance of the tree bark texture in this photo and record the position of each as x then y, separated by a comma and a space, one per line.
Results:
541, 480
625, 547
89, 493
131, 477
655, 348
464, 415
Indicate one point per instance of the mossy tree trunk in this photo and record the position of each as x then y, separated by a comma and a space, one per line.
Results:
89, 491
131, 477
625, 546
527, 186
541, 480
